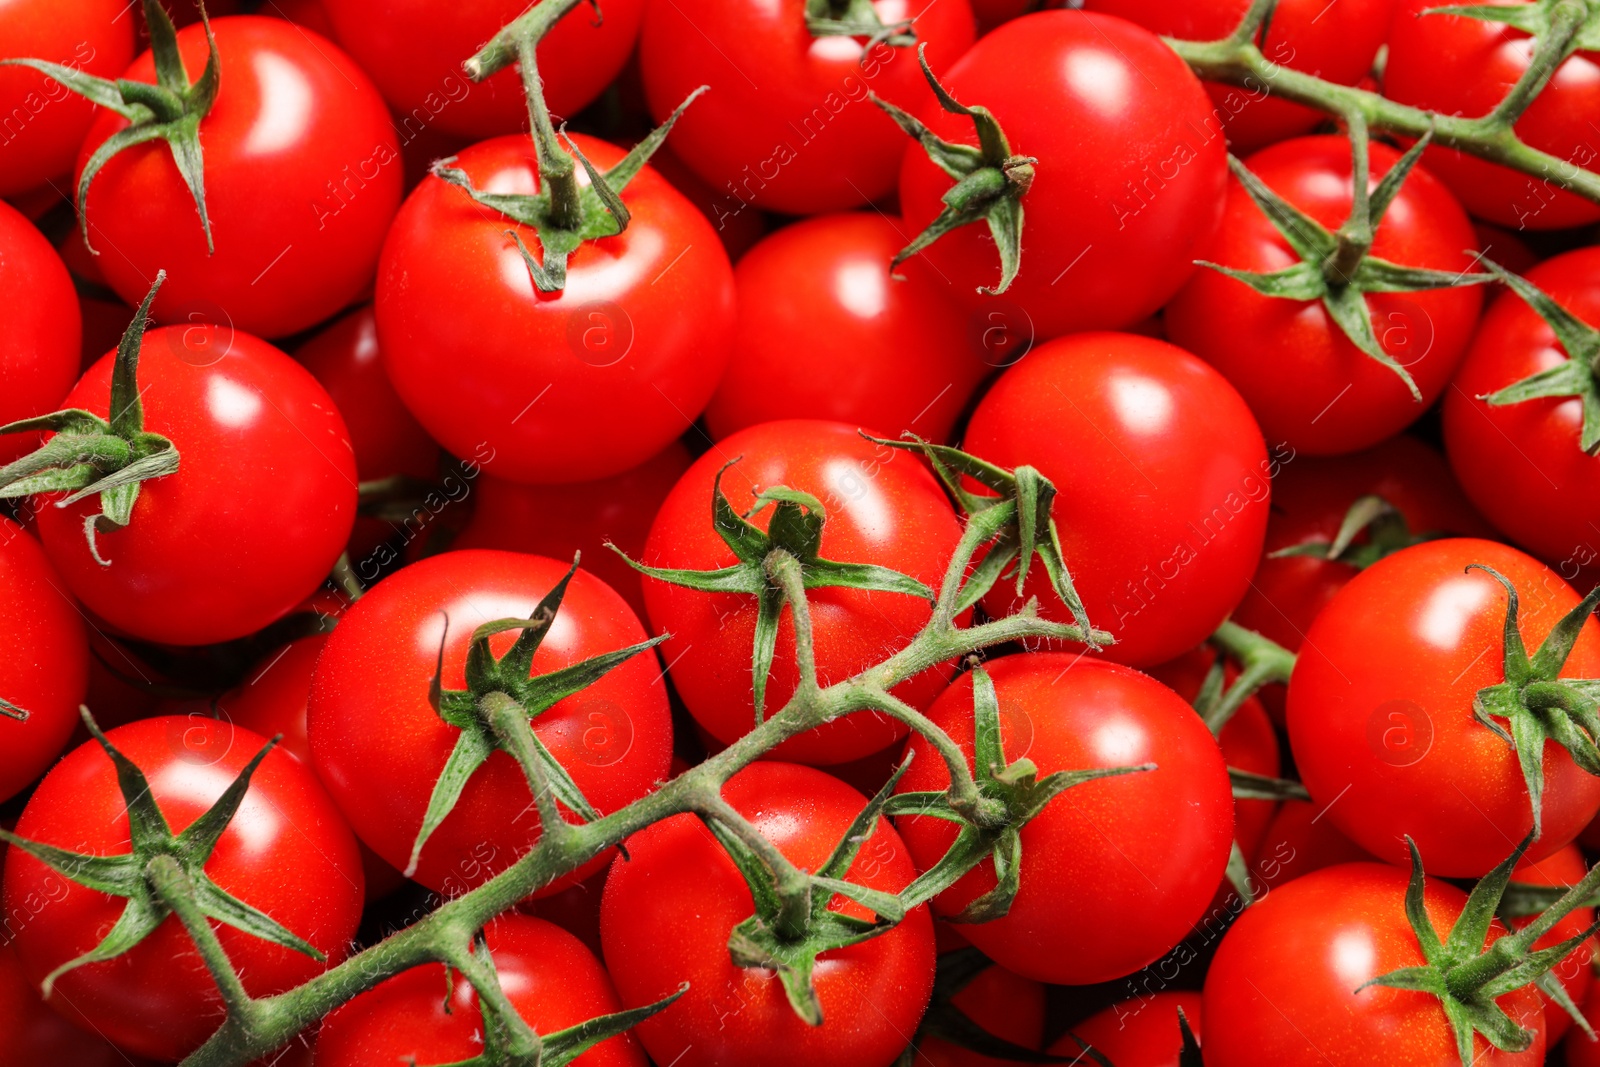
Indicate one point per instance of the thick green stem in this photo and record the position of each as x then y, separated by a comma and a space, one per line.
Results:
557, 172
173, 886
1566, 19
785, 570
1355, 236
508, 721
1261, 662
793, 887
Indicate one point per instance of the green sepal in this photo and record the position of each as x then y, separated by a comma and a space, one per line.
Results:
1190, 1055
12, 711
1250, 786
1386, 529
563, 1046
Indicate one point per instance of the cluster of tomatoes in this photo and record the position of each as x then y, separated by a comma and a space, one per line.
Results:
1299, 427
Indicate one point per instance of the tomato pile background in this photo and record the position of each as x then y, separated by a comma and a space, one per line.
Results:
823, 532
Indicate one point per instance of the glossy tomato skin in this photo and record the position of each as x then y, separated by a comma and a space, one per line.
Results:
254, 517
559, 520
380, 747
1304, 379
302, 177
1463, 66
1004, 1004
1522, 464
1281, 989
562, 387
1336, 41
1131, 176
1310, 499
545, 972
882, 507
414, 50
666, 915
1162, 480
39, 348
1563, 869
286, 852
46, 667
827, 332
1301, 839
1152, 844
37, 1036
45, 121
1142, 1032
1380, 709
787, 125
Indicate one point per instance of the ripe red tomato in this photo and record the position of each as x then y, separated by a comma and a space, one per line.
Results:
414, 50
1333, 39
558, 520
1005, 1005
1380, 709
45, 122
46, 667
286, 852
1282, 986
1563, 869
872, 993
788, 126
565, 387
882, 506
1142, 1032
1163, 483
380, 746
1302, 377
255, 515
39, 349
37, 1036
1465, 66
548, 976
1522, 464
826, 332
1131, 175
1301, 839
1152, 844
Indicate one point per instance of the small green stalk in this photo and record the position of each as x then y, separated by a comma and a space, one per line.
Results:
1261, 660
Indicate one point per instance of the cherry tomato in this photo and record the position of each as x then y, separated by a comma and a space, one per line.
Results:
44, 122
827, 332
37, 1036
881, 505
1004, 1004
1303, 378
548, 976
1564, 868
39, 349
667, 913
1282, 988
1142, 1032
1465, 66
565, 387
1335, 40
1162, 483
414, 50
286, 852
255, 515
302, 176
1380, 709
1131, 176
1301, 839
1522, 464
788, 125
380, 746
1150, 845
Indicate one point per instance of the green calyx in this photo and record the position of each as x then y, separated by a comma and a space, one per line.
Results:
1024, 527
1578, 377
12, 711
89, 455
1384, 525
856, 18
990, 180
496, 709
169, 110
947, 1022
794, 533
1537, 703
163, 873
1467, 977
1337, 268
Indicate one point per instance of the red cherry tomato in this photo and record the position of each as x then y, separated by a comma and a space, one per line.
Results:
667, 913
255, 515
1111, 233
1522, 464
39, 349
157, 999
548, 976
562, 387
1004, 1004
1162, 483
380, 746
1302, 839
1142, 1032
1564, 868
1303, 378
827, 332
35, 1035
302, 176
1465, 66
1380, 709
881, 505
1151, 845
